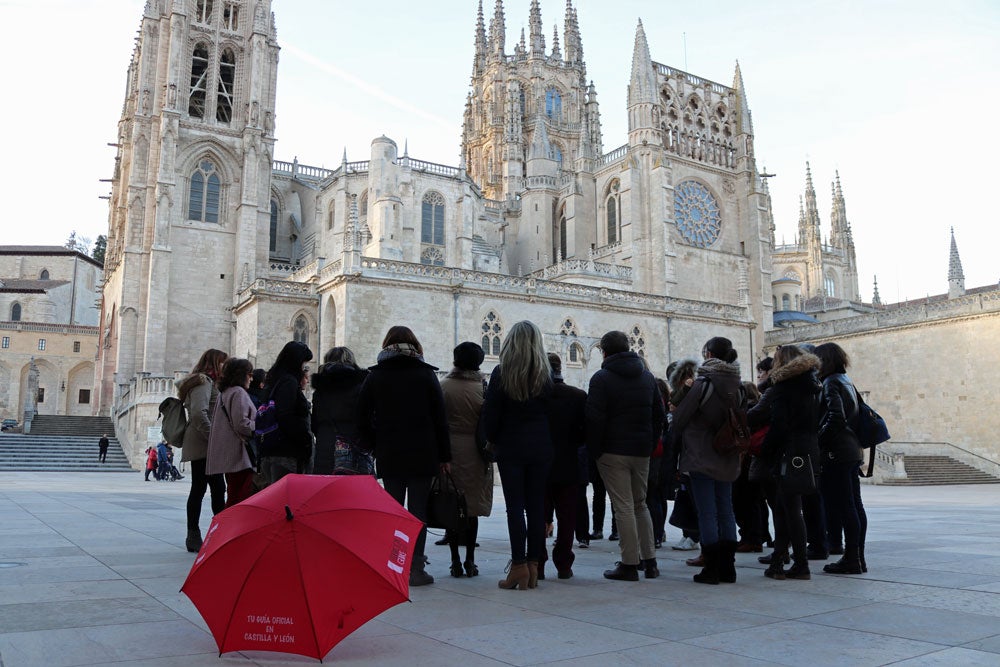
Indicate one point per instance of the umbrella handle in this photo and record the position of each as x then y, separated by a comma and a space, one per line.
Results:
288, 513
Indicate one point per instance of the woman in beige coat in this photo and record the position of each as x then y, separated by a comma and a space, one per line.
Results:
464, 391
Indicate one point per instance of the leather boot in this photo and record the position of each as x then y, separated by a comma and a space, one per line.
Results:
193, 541
710, 573
623, 572
776, 570
517, 577
650, 569
727, 562
697, 561
535, 572
848, 564
799, 569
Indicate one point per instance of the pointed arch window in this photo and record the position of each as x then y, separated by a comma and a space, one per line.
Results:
786, 302
612, 205
492, 329
432, 219
568, 327
44, 275
576, 353
521, 101
227, 79
231, 16
273, 229
15, 312
203, 200
562, 236
830, 286
199, 79
203, 11
332, 215
300, 330
553, 104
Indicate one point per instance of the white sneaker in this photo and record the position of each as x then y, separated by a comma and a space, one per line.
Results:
687, 544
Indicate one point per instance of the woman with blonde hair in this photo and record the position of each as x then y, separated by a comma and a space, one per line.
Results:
516, 421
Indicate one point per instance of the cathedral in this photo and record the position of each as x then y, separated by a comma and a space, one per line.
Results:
215, 243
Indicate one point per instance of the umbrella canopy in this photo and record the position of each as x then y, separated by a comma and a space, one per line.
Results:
302, 564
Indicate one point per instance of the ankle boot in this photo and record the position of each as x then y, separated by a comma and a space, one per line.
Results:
799, 569
727, 562
623, 572
710, 573
193, 540
650, 569
697, 561
535, 572
517, 577
775, 570
861, 558
848, 564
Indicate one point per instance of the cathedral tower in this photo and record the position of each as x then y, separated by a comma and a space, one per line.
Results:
190, 185
956, 277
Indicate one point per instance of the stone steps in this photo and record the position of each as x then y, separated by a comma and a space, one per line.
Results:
53, 453
71, 426
924, 470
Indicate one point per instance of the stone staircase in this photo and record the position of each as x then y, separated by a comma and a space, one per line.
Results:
939, 470
62, 444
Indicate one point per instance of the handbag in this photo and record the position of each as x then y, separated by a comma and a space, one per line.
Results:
759, 470
446, 506
871, 430
350, 459
684, 515
795, 475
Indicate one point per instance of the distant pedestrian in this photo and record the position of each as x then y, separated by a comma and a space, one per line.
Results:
150, 462
102, 448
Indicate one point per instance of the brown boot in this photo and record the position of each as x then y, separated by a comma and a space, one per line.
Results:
697, 561
517, 577
534, 573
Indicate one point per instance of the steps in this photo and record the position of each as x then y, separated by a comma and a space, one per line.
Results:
59, 453
93, 427
939, 470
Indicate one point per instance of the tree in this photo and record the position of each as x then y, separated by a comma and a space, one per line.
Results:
80, 244
100, 245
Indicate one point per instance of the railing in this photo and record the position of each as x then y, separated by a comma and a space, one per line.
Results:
51, 328
282, 267
606, 250
334, 268
586, 267
306, 272
614, 155
431, 167
666, 70
297, 170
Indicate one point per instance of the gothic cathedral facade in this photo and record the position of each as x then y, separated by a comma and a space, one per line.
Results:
213, 243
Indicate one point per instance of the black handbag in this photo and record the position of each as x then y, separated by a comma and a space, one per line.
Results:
446, 506
684, 515
796, 476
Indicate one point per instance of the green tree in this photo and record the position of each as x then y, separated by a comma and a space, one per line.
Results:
100, 245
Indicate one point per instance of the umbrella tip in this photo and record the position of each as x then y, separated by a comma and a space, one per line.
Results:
288, 513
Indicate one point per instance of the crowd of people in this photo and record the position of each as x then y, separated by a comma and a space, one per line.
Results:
641, 440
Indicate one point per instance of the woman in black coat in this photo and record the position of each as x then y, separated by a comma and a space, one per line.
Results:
401, 417
336, 386
793, 401
841, 454
293, 451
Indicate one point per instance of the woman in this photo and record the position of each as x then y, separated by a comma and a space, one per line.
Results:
199, 394
401, 417
464, 393
697, 419
336, 386
292, 453
841, 453
516, 422
232, 425
792, 401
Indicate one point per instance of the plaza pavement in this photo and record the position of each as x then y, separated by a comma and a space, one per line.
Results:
100, 558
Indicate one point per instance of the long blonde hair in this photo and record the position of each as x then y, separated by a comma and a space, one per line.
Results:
524, 365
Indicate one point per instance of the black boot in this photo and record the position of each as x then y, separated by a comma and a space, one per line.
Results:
768, 559
193, 541
861, 558
776, 570
727, 562
799, 569
848, 564
623, 572
650, 568
710, 573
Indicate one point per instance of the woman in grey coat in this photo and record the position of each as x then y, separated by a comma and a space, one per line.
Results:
232, 425
198, 393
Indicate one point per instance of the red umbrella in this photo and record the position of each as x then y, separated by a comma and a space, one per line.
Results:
302, 564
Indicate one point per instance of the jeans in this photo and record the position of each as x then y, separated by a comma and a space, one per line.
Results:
200, 482
625, 478
562, 498
838, 482
416, 491
524, 492
714, 502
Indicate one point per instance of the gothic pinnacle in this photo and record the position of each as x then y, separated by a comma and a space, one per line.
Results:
954, 261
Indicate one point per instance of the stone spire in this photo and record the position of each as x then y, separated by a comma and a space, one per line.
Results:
498, 31
876, 299
479, 62
744, 120
521, 50
556, 51
956, 277
537, 40
840, 228
540, 147
812, 229
571, 29
641, 93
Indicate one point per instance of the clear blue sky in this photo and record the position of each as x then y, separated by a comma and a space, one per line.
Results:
899, 95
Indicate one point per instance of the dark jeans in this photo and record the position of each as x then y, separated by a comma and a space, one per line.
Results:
102, 455
563, 499
200, 482
466, 536
656, 500
714, 502
415, 491
841, 496
524, 492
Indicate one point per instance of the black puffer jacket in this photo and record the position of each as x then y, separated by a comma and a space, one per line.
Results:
401, 416
624, 408
794, 404
335, 410
291, 407
836, 431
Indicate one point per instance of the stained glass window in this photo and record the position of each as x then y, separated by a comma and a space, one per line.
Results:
697, 214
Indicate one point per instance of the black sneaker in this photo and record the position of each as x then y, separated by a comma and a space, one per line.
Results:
597, 535
613, 537
623, 572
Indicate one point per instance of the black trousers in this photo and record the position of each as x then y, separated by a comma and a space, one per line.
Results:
415, 491
562, 498
200, 482
747, 498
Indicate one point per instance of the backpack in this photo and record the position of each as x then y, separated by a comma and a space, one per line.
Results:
265, 432
871, 430
734, 435
175, 420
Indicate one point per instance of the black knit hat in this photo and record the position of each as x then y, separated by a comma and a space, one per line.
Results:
468, 356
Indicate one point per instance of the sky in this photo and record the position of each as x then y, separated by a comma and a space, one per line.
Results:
899, 96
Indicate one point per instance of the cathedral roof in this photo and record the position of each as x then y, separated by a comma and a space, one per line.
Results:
785, 318
45, 250
9, 285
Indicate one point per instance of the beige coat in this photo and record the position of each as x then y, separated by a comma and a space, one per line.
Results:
200, 406
463, 401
